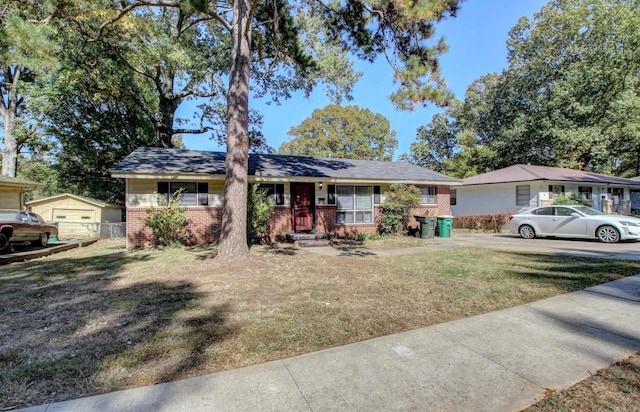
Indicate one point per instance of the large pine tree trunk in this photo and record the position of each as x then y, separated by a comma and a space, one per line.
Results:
8, 109
10, 150
233, 237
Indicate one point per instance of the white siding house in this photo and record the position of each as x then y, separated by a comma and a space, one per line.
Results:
517, 187
12, 192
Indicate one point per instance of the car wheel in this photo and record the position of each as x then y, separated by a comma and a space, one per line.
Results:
43, 241
608, 234
4, 242
527, 232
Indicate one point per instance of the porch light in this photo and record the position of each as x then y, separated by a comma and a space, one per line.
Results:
319, 185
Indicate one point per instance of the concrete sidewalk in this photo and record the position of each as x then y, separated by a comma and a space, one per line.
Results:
500, 361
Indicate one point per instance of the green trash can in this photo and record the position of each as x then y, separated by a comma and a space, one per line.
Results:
427, 226
445, 226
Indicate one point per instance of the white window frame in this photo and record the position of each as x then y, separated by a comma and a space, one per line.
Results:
585, 192
358, 209
428, 198
274, 191
190, 198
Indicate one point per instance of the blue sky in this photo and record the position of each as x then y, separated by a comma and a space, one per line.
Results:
477, 46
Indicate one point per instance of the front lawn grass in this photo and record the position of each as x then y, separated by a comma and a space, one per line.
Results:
99, 318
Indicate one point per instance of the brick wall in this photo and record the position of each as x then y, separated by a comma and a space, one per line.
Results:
204, 227
280, 223
326, 219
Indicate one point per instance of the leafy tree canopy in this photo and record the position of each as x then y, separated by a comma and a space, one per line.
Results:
25, 52
346, 132
569, 97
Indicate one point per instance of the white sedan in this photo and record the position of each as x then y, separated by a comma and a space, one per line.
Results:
574, 221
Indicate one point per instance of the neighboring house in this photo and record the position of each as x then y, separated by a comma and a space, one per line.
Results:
521, 186
12, 192
635, 198
76, 216
340, 197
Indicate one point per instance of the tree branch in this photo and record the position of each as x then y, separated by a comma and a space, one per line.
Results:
158, 3
187, 92
192, 131
254, 5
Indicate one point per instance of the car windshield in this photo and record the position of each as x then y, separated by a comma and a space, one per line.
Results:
589, 211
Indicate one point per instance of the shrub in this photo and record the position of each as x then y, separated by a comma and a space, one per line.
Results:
570, 199
496, 222
259, 211
364, 236
396, 209
168, 221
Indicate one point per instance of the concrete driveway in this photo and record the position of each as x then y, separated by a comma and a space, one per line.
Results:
503, 241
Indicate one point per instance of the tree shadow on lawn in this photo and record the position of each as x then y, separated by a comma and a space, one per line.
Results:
69, 329
570, 273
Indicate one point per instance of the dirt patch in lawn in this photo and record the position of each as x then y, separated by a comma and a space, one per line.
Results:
100, 318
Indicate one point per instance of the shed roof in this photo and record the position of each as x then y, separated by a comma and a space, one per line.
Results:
178, 161
95, 202
526, 173
13, 181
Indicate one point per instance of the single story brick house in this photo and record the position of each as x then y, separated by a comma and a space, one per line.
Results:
341, 197
521, 186
12, 192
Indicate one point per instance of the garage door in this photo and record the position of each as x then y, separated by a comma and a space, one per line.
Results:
75, 223
74, 215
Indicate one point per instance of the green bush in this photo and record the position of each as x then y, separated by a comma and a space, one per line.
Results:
364, 236
259, 211
168, 221
396, 209
570, 199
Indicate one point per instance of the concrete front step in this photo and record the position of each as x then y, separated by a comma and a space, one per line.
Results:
312, 243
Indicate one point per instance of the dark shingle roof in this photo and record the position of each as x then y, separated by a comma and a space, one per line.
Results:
525, 173
166, 161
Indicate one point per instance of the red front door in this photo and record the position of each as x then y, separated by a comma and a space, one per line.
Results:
302, 212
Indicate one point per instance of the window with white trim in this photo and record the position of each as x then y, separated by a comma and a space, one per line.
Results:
428, 196
585, 192
354, 204
556, 191
190, 193
275, 192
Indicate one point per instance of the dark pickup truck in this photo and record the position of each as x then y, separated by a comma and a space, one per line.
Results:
17, 226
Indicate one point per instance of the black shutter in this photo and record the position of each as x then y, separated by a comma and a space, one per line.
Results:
376, 195
203, 194
163, 191
331, 194
280, 194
